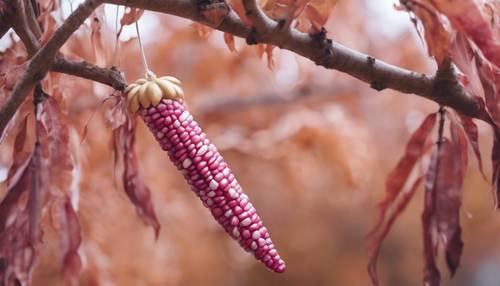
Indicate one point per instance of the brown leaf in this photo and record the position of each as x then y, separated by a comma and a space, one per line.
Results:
136, 190
203, 30
318, 12
467, 16
453, 163
432, 277
495, 160
13, 75
237, 6
18, 244
438, 39
70, 239
19, 155
386, 227
397, 178
472, 133
56, 140
229, 40
97, 42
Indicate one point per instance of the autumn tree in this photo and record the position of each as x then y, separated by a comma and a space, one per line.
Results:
53, 51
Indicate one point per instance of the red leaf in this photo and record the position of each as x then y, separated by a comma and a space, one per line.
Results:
467, 17
432, 277
318, 12
58, 157
18, 251
436, 36
19, 155
443, 199
237, 6
398, 177
70, 239
473, 136
495, 159
386, 227
138, 193
490, 80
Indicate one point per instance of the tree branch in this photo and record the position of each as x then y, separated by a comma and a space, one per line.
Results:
42, 60
112, 77
274, 100
321, 50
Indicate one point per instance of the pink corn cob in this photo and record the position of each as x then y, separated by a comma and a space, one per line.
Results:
210, 178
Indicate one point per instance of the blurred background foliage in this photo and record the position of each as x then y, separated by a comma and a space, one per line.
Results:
311, 147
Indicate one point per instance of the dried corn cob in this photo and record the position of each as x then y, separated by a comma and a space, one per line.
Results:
160, 104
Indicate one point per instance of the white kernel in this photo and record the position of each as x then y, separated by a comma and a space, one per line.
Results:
184, 116
248, 206
253, 245
232, 193
229, 213
256, 234
168, 101
236, 233
213, 185
211, 194
177, 124
261, 242
226, 171
203, 149
159, 135
234, 183
246, 222
210, 202
186, 163
244, 197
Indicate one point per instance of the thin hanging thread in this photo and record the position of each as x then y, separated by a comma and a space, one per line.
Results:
144, 62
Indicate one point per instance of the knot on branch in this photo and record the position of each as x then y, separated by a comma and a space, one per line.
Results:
325, 47
251, 38
215, 11
447, 90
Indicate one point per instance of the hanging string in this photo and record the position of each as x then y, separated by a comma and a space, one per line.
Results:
144, 61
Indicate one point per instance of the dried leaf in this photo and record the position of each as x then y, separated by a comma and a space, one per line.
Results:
58, 160
386, 227
136, 190
448, 190
19, 155
97, 42
472, 133
237, 6
432, 277
318, 12
70, 239
495, 159
13, 75
490, 80
203, 30
397, 178
438, 39
467, 16
229, 40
